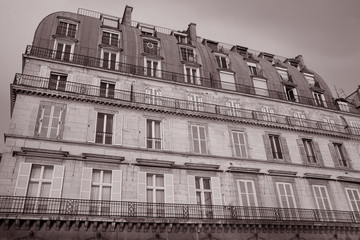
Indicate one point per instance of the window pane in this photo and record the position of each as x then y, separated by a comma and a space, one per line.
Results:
160, 196
107, 177
202, 132
197, 183
206, 183
159, 181
106, 193
195, 132
48, 170
149, 180
207, 196
32, 189
96, 176
45, 190
95, 192
35, 172
149, 195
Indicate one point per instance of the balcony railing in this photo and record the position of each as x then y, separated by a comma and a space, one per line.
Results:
79, 207
169, 76
142, 98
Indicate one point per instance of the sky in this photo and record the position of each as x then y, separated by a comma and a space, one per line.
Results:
325, 32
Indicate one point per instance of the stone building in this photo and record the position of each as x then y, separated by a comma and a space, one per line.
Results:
124, 130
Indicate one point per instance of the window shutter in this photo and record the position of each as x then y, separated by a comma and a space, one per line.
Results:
91, 126
323, 99
333, 155
302, 151
166, 135
318, 155
191, 189
57, 181
216, 191
267, 145
116, 185
39, 120
23, 179
141, 197
169, 188
142, 132
117, 129
346, 156
85, 188
62, 122
285, 149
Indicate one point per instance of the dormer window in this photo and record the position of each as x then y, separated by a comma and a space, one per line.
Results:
66, 28
343, 106
181, 37
110, 21
319, 99
310, 78
147, 30
110, 38
284, 75
254, 69
151, 46
222, 61
188, 54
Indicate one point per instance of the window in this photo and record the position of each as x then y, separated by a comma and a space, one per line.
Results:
40, 181
286, 195
319, 99
187, 54
291, 93
155, 193
57, 81
100, 190
195, 102
239, 144
310, 78
354, 199
284, 75
151, 46
254, 70
275, 147
152, 67
222, 61
340, 155
299, 119
110, 38
355, 127
203, 191
268, 114
109, 59
309, 150
63, 50
323, 202
260, 87
227, 80
343, 106
328, 124
233, 108
107, 89
66, 29
192, 75
153, 134
51, 120
104, 128
247, 193
153, 96
198, 135
181, 38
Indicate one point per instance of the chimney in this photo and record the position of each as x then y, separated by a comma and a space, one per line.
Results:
126, 20
301, 61
192, 32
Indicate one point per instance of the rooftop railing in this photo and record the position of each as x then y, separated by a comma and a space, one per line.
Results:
79, 207
173, 103
173, 76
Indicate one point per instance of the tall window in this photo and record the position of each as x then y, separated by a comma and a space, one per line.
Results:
203, 190
110, 38
187, 54
195, 102
40, 181
239, 144
107, 89
50, 120
153, 134
268, 114
152, 67
339, 154
153, 96
291, 93
275, 147
155, 193
57, 81
286, 195
109, 59
151, 46
322, 201
198, 134
101, 190
233, 108
309, 150
247, 193
66, 29
192, 75
222, 61
319, 99
260, 87
354, 199
104, 128
63, 50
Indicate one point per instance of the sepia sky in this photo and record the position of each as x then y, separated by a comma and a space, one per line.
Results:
325, 32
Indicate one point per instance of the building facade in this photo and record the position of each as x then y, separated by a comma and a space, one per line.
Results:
124, 130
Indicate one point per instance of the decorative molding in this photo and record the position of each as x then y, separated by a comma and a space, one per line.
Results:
282, 173
243, 169
317, 175
201, 166
154, 162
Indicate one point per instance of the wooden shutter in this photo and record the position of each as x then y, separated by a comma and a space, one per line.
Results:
285, 149
57, 181
166, 135
85, 188
169, 188
91, 126
267, 145
117, 129
141, 195
319, 158
116, 184
23, 179
333, 155
142, 132
346, 156
39, 120
216, 191
191, 189
62, 122
302, 151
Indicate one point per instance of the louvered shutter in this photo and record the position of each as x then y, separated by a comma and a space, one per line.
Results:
142, 132
85, 189
23, 179
285, 149
61, 122
91, 126
166, 135
267, 145
191, 189
141, 194
302, 151
117, 129
333, 154
169, 188
116, 185
216, 191
57, 181
317, 152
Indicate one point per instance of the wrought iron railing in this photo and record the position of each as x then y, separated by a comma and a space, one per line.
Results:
130, 96
171, 76
75, 207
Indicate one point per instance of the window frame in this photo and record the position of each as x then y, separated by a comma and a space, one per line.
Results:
235, 146
110, 64
199, 140
188, 54
110, 42
109, 90
152, 71
62, 54
68, 22
49, 127
103, 134
258, 90
192, 75
309, 149
153, 139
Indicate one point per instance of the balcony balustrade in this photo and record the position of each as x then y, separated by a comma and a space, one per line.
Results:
79, 207
171, 76
172, 103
